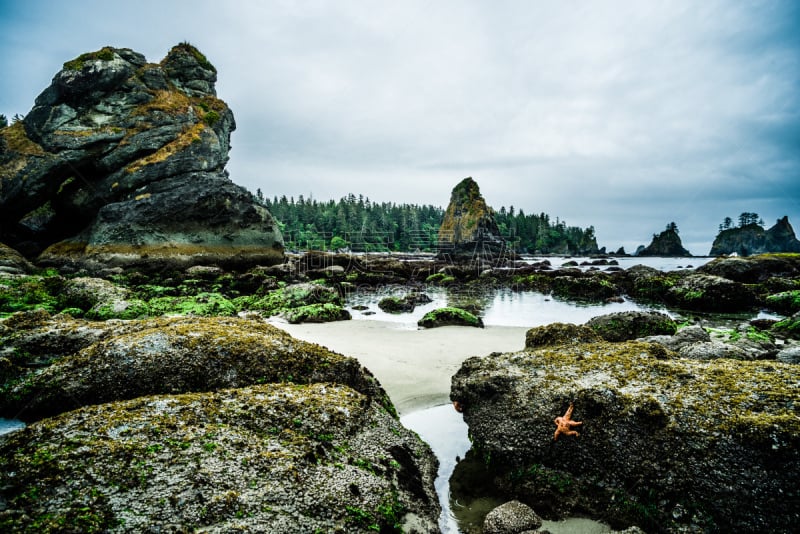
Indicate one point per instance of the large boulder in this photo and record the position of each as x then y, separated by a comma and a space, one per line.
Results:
512, 517
559, 334
449, 316
267, 458
622, 326
469, 230
670, 445
704, 292
121, 161
178, 355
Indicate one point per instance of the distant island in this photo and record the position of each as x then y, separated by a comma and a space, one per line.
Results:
750, 237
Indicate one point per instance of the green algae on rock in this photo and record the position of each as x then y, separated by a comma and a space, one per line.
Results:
317, 313
176, 355
559, 334
449, 317
622, 326
268, 458
665, 444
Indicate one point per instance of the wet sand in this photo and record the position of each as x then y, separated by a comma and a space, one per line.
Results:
413, 366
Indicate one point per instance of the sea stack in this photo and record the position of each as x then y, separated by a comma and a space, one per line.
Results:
122, 162
753, 239
469, 230
667, 243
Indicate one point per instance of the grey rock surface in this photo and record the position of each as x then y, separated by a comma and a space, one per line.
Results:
122, 162
268, 458
665, 444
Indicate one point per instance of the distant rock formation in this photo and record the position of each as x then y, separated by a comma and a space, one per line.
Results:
469, 229
667, 243
121, 161
753, 239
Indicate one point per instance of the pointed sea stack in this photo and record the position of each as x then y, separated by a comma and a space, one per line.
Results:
753, 239
469, 230
667, 243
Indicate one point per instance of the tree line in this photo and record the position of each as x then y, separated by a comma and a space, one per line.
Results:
745, 219
358, 224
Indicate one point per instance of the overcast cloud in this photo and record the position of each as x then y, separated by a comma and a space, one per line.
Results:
622, 115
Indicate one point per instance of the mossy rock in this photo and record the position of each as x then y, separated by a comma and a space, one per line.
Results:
119, 309
449, 317
583, 287
28, 293
403, 304
789, 327
317, 313
266, 458
441, 279
664, 423
202, 304
396, 304
559, 334
181, 354
650, 284
704, 292
787, 302
624, 326
293, 296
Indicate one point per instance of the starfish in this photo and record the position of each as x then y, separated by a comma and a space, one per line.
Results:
565, 423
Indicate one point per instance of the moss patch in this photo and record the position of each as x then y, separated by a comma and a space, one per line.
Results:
449, 317
104, 54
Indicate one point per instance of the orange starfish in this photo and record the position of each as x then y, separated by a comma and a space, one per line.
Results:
564, 424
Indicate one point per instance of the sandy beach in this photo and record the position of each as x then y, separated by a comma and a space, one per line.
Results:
414, 366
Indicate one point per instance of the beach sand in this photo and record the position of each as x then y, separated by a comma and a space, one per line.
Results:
413, 366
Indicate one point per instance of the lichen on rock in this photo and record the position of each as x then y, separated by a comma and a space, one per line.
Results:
665, 444
177, 355
122, 162
268, 458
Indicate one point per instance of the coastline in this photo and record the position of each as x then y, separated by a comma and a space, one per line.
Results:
413, 366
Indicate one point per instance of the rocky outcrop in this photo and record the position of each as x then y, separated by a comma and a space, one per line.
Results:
667, 243
622, 326
754, 269
121, 162
469, 230
753, 239
267, 458
178, 355
12, 262
697, 343
403, 304
670, 445
711, 293
559, 334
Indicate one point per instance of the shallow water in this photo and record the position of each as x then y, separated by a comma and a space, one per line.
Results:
10, 425
445, 431
497, 307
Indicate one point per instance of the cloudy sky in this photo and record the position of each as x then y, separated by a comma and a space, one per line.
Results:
624, 115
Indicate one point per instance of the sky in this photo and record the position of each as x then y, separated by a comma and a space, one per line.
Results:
622, 115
